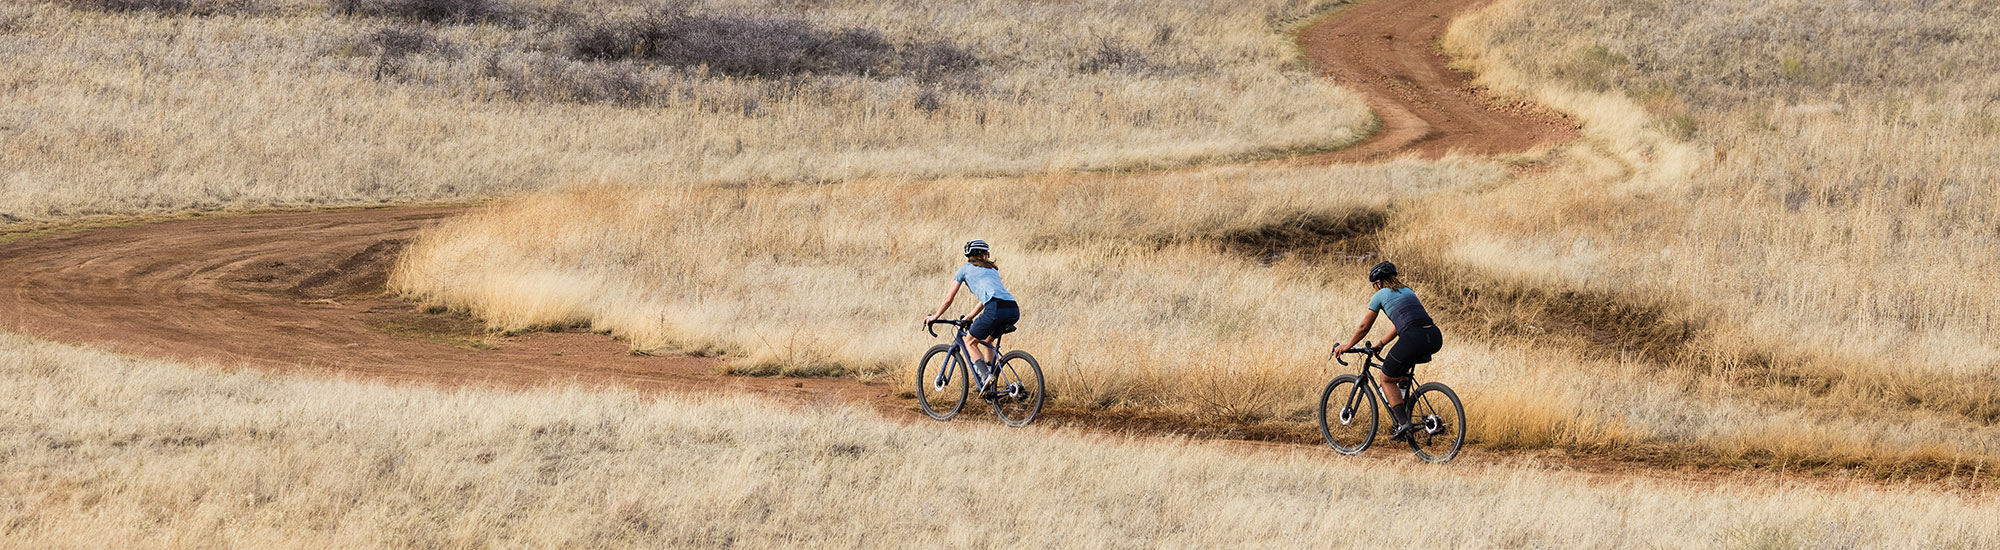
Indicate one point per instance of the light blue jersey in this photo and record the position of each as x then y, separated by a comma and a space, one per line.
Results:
984, 282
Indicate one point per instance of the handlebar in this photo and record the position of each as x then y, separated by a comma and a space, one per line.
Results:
1366, 348
959, 322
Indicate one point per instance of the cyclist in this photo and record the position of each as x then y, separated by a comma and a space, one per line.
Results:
996, 309
1408, 319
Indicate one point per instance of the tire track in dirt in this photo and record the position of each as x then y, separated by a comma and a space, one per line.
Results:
303, 292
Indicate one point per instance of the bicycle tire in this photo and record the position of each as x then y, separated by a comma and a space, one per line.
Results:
1357, 424
1440, 423
1018, 409
942, 403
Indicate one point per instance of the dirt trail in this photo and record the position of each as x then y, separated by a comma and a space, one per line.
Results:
303, 292
1386, 51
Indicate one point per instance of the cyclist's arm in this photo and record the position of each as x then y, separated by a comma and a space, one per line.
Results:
1386, 338
976, 310
948, 297
1367, 322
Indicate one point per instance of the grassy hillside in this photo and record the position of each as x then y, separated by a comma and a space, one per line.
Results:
108, 451
1730, 270
146, 106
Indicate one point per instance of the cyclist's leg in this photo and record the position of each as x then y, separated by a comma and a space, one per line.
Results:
977, 349
1391, 372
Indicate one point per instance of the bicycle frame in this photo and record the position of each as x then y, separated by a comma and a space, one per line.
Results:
960, 357
1367, 380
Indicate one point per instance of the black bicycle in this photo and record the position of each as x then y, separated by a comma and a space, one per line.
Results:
1349, 414
945, 379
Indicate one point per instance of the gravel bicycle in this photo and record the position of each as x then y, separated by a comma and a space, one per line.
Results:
1349, 415
945, 379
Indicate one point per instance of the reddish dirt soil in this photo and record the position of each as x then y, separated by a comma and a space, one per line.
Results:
303, 292
1386, 50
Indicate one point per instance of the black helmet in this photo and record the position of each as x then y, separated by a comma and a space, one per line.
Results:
1382, 272
976, 247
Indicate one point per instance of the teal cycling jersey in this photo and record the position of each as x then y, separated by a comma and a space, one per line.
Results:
1402, 307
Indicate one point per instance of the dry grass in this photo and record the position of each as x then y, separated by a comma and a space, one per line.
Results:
224, 105
1129, 282
1746, 281
1135, 295
1811, 186
106, 451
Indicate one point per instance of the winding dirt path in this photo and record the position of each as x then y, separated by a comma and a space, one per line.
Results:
303, 292
1386, 51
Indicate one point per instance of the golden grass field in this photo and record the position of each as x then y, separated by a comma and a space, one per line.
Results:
109, 451
1773, 248
233, 105
1737, 274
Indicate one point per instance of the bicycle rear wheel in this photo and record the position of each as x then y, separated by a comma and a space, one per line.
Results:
1440, 423
1347, 415
1019, 388
943, 382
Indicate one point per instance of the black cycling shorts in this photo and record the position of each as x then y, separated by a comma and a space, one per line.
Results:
999, 314
1412, 348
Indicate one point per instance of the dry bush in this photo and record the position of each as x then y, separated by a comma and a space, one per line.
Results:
430, 11
761, 47
141, 113
106, 451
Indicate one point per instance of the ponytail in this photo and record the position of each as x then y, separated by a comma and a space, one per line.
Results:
983, 260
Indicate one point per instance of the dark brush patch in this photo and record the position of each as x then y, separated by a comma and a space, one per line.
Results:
761, 47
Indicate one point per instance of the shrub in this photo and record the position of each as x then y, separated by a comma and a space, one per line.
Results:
127, 6
746, 46
1113, 54
399, 42
555, 79
430, 11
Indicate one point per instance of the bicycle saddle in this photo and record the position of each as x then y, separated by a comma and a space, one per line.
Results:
1004, 330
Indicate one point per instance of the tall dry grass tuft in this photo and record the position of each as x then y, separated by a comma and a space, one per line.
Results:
1136, 290
107, 451
301, 104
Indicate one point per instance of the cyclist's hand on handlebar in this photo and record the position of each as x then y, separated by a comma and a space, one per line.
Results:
1340, 349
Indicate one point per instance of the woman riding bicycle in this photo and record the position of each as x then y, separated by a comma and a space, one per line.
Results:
996, 309
1407, 318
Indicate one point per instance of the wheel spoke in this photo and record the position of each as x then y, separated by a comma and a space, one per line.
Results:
1020, 380
1441, 433
941, 388
1347, 415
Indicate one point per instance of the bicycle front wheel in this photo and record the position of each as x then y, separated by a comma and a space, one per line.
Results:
1440, 423
1347, 415
1018, 392
943, 382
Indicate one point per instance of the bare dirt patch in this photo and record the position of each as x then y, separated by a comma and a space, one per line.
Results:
1388, 52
